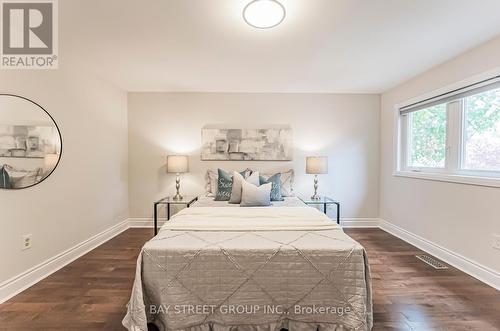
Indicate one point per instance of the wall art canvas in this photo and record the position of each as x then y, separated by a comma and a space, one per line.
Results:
273, 144
27, 141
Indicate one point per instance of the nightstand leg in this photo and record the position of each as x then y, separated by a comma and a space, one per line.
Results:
338, 213
194, 200
155, 213
324, 208
168, 211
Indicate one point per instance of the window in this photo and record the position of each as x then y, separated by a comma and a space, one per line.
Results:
427, 137
481, 147
456, 134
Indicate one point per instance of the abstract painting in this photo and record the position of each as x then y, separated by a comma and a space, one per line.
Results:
273, 144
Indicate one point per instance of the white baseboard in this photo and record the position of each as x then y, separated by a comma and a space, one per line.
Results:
21, 282
474, 269
360, 222
145, 222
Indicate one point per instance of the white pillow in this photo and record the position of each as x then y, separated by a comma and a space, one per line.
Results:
211, 183
254, 178
237, 180
253, 195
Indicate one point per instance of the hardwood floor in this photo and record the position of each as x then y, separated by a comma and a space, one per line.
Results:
91, 293
410, 295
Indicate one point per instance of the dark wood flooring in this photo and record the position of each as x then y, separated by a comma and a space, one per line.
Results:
91, 293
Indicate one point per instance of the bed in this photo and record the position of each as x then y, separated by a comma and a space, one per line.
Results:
213, 268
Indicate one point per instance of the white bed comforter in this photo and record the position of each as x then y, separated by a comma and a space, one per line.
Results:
216, 268
250, 219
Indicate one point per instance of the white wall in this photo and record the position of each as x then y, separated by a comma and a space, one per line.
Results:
344, 127
87, 193
459, 217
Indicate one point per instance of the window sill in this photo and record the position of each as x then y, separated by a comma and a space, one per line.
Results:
460, 179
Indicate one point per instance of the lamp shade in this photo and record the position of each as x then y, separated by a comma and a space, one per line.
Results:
177, 163
317, 165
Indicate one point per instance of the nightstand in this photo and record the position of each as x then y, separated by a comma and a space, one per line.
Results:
325, 201
187, 200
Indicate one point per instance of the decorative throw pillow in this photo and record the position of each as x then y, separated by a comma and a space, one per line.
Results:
4, 178
287, 178
287, 181
254, 178
275, 180
237, 180
211, 183
224, 186
253, 196
212, 177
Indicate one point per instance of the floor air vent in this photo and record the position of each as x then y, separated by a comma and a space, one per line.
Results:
436, 264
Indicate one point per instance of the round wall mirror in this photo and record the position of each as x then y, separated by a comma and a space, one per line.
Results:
30, 143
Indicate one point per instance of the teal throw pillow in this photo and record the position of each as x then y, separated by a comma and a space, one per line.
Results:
276, 186
225, 185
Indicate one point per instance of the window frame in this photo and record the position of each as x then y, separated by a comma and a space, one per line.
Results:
453, 170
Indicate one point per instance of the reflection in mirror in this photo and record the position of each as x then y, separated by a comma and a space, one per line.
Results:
30, 143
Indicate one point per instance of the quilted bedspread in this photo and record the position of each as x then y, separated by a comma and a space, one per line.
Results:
215, 268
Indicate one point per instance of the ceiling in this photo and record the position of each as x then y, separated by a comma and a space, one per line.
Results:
323, 46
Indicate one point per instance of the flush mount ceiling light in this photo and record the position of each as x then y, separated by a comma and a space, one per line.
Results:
264, 14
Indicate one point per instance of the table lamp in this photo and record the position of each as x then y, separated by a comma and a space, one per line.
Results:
177, 164
316, 165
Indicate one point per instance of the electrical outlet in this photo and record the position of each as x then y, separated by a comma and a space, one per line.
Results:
496, 241
27, 241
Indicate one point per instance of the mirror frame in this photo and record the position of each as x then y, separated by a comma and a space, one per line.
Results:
58, 132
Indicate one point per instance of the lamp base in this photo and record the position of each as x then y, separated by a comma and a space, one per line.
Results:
177, 197
315, 197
